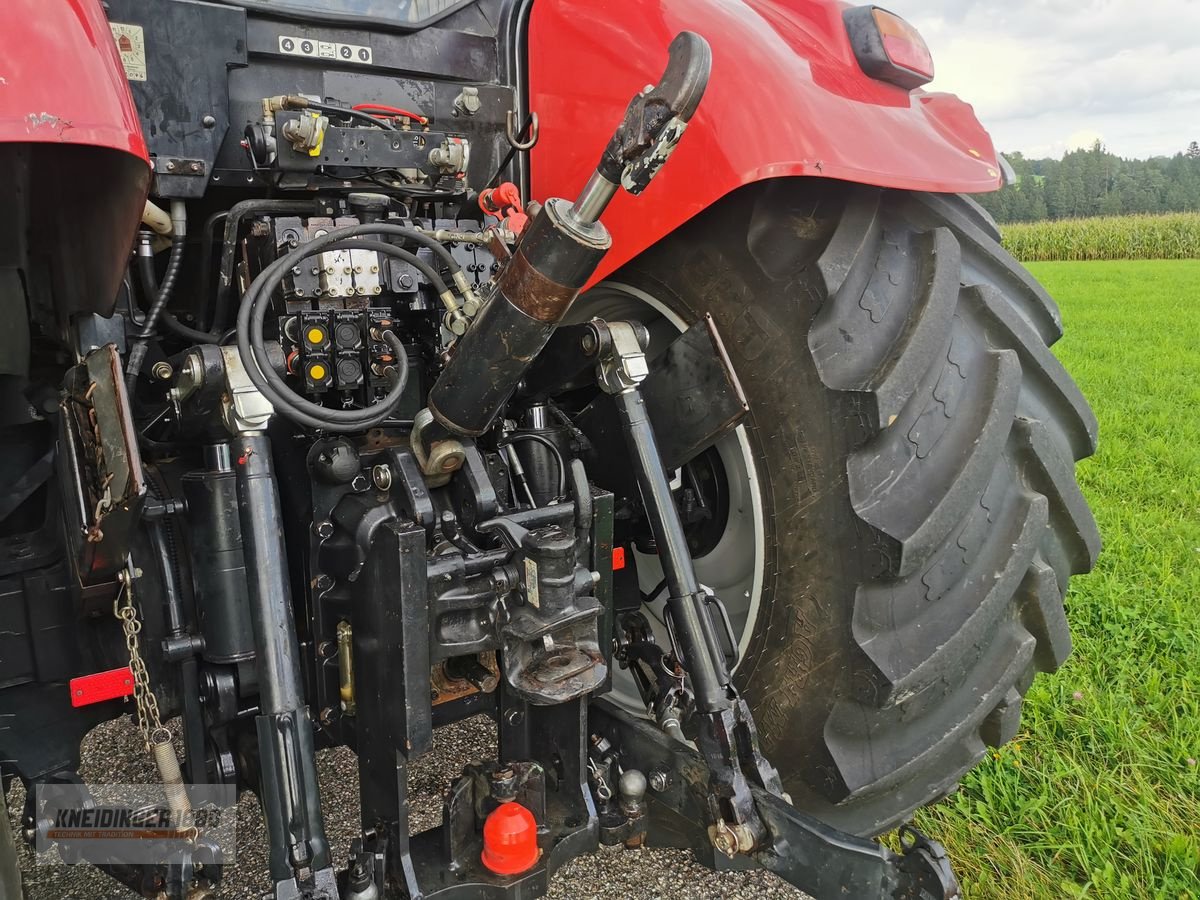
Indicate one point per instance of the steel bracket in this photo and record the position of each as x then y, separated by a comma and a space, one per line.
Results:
805, 852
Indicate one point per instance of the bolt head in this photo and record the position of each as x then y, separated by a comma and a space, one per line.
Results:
381, 474
659, 781
323, 529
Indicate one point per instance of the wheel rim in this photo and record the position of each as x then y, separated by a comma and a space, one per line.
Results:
733, 568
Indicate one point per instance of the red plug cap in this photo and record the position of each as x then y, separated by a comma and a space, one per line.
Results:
510, 840
505, 202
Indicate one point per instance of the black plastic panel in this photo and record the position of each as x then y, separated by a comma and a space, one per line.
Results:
184, 101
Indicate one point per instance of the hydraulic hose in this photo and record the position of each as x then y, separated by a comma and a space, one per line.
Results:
233, 221
150, 289
204, 296
251, 342
137, 353
439, 249
251, 346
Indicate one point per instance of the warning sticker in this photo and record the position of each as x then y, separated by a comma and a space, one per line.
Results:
531, 584
131, 44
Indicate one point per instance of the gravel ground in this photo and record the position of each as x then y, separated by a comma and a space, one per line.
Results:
113, 754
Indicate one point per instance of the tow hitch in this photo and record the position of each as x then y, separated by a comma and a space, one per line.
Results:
588, 773
515, 596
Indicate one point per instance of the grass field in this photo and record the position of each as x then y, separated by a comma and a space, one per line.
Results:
1100, 794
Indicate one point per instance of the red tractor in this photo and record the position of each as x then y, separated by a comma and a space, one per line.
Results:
737, 489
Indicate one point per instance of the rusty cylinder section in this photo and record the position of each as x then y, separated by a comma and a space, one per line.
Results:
553, 261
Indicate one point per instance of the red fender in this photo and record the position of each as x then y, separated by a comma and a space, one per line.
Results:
73, 166
786, 97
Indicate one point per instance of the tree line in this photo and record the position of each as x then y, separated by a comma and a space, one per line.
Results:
1094, 182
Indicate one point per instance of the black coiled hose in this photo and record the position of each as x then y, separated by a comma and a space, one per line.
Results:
137, 354
252, 347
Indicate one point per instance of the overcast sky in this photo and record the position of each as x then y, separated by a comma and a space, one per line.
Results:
1047, 76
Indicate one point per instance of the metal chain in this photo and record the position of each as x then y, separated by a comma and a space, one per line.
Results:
149, 722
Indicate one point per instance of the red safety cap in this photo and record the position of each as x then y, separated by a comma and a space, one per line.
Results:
618, 558
504, 202
101, 686
510, 840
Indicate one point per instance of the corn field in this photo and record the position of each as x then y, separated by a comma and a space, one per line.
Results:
1171, 236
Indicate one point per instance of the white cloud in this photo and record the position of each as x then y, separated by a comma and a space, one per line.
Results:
1043, 74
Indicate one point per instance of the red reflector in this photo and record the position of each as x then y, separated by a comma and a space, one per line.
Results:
908, 54
618, 558
510, 840
101, 686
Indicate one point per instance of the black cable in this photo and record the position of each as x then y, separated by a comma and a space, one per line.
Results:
549, 445
350, 114
137, 354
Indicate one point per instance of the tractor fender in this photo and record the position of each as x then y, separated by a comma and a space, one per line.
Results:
786, 98
74, 163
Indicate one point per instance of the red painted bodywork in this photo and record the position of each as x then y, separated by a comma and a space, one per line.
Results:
61, 79
786, 98
74, 171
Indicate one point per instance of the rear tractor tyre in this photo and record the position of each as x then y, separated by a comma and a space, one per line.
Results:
913, 441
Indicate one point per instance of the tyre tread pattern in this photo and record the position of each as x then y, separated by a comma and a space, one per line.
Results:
966, 481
